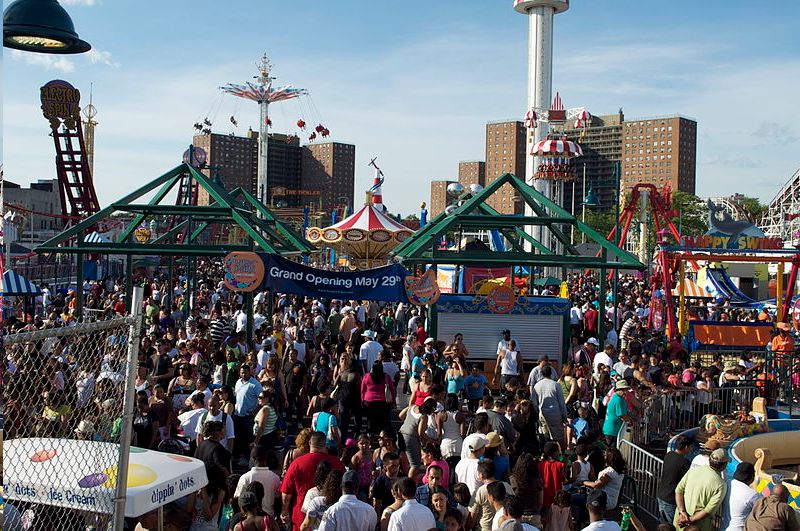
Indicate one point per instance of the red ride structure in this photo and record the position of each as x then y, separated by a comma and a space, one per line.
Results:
61, 107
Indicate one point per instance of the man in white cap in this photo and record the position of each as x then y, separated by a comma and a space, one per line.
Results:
585, 356
369, 350
467, 469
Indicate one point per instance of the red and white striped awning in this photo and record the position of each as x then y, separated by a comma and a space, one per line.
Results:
370, 217
551, 147
691, 290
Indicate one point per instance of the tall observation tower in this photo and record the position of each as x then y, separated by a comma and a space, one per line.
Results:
89, 112
540, 80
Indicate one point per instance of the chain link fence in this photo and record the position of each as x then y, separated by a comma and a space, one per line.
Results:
64, 397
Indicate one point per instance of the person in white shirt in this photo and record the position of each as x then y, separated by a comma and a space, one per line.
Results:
215, 413
740, 498
369, 350
263, 475
623, 364
504, 343
265, 352
411, 516
350, 512
605, 356
467, 469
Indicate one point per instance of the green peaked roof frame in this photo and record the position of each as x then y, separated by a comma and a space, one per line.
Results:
475, 214
188, 223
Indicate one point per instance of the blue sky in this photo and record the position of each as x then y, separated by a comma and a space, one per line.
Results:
415, 82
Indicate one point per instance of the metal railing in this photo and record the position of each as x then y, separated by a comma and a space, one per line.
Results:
667, 413
645, 469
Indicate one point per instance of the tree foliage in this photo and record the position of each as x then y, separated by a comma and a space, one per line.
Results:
754, 208
691, 214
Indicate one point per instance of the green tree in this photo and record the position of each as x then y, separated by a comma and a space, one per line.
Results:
754, 207
691, 213
602, 222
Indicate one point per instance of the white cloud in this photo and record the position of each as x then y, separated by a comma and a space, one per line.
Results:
774, 132
102, 57
49, 62
740, 162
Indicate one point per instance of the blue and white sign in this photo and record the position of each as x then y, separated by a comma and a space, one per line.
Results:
379, 284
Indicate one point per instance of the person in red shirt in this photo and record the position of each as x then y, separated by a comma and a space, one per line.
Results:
590, 317
299, 478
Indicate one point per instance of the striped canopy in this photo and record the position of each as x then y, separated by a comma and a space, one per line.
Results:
691, 290
14, 284
368, 233
551, 147
96, 237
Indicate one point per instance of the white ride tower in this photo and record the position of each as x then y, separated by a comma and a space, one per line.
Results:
540, 85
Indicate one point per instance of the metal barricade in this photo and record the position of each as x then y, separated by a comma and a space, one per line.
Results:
668, 413
645, 470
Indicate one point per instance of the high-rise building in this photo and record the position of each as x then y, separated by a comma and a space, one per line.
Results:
438, 197
472, 172
505, 153
329, 167
602, 150
231, 157
317, 175
284, 163
658, 151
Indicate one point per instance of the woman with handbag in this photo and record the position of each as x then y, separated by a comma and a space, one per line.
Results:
378, 397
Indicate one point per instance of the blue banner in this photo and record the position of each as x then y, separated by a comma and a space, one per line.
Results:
380, 284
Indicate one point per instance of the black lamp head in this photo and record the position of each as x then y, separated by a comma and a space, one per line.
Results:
41, 26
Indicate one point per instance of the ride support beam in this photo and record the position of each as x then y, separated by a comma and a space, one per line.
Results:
790, 288
779, 290
682, 298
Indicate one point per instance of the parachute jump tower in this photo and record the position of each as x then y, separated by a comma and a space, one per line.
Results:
540, 82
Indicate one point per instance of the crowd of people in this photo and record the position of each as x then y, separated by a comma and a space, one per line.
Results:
343, 414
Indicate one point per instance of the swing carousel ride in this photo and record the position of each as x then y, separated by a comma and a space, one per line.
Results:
368, 235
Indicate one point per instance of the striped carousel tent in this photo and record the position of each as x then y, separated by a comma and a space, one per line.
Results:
15, 284
691, 290
96, 237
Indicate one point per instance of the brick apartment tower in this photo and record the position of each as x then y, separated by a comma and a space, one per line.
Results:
602, 150
658, 151
505, 153
330, 168
472, 172
438, 198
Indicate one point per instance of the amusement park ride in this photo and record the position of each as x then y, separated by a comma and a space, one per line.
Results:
369, 234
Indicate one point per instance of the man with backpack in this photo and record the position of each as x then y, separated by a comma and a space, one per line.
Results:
215, 413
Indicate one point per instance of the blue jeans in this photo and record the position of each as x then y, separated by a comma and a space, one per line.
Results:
666, 511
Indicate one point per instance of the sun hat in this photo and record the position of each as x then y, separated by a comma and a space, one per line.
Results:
494, 439
719, 456
430, 341
85, 427
368, 333
730, 365
783, 326
621, 385
593, 341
